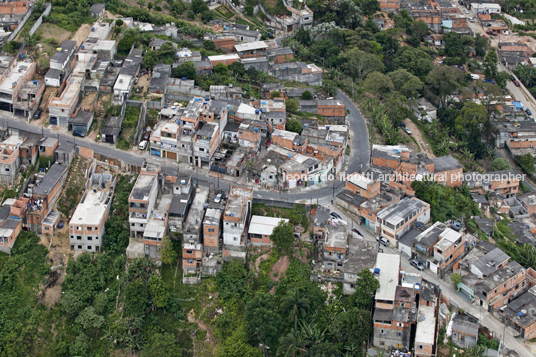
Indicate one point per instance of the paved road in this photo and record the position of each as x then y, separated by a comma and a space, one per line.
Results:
359, 143
322, 193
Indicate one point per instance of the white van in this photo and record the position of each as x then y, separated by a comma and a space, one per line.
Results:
143, 145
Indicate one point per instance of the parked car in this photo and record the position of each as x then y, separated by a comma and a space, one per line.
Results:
512, 78
408, 131
527, 110
489, 32
335, 215
218, 197
78, 133
147, 135
417, 264
37, 113
384, 241
471, 19
142, 145
516, 83
466, 11
270, 35
403, 125
357, 232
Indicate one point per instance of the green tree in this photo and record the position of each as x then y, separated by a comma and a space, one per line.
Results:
249, 10
378, 83
292, 105
186, 69
89, 319
294, 126
199, 6
443, 81
490, 64
237, 68
159, 291
406, 83
414, 60
527, 162
291, 343
295, 305
209, 45
149, 60
232, 280
166, 52
71, 304
161, 345
481, 44
123, 47
263, 321
149, 5
168, 255
306, 95
283, 233
136, 298
500, 164
330, 87
358, 325
365, 288
221, 69
359, 64
275, 94
456, 279
119, 23
420, 28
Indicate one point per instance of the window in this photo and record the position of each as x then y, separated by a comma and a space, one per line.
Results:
235, 239
398, 333
211, 230
400, 324
78, 228
190, 261
202, 149
141, 224
382, 331
495, 291
46, 228
72, 237
79, 247
89, 238
89, 228
133, 224
419, 347
79, 237
89, 247
505, 285
188, 252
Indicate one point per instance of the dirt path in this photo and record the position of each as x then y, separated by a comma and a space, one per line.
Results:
416, 132
280, 267
204, 327
81, 34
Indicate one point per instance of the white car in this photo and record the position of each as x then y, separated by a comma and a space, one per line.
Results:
217, 199
465, 11
143, 145
471, 19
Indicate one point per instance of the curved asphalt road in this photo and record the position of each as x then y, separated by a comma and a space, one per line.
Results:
359, 144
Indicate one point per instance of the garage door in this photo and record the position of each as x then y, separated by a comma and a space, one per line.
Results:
172, 155
53, 121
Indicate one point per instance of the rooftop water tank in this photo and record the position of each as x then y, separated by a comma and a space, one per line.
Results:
417, 286
255, 129
228, 106
207, 98
92, 29
60, 225
82, 46
306, 126
196, 99
263, 102
327, 127
377, 271
183, 79
22, 56
165, 105
418, 224
257, 111
35, 81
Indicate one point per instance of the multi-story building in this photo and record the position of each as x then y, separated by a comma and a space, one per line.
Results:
12, 82
206, 141
448, 249
9, 163
497, 289
464, 332
45, 195
61, 64
504, 183
142, 199
357, 183
396, 220
181, 201
235, 220
64, 106
212, 230
87, 225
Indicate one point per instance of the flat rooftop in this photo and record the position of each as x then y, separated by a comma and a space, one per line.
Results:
361, 255
401, 210
92, 209
389, 265
69, 93
426, 322
195, 216
250, 46
360, 181
142, 188
15, 75
212, 217
238, 198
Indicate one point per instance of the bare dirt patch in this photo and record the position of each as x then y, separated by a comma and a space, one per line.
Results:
52, 295
81, 34
416, 132
259, 260
48, 31
279, 268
